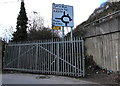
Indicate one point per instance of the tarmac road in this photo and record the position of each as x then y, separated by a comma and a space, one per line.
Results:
39, 79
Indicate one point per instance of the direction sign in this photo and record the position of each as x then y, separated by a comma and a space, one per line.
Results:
62, 15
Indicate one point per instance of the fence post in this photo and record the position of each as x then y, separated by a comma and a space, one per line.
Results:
58, 58
19, 56
0, 56
36, 56
0, 62
83, 57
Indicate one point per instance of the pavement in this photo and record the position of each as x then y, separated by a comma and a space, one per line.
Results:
39, 79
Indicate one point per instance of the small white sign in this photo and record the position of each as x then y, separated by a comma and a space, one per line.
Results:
62, 15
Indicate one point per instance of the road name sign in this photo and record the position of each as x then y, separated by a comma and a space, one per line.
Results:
62, 15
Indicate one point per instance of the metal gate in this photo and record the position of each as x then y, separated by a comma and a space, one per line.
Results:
47, 57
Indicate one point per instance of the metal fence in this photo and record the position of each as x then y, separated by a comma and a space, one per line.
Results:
0, 56
47, 57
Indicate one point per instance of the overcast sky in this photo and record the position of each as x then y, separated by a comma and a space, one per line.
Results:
9, 10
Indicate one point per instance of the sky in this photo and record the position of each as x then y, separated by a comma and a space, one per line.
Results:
9, 10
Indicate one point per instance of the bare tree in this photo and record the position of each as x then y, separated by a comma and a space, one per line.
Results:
37, 30
8, 34
35, 21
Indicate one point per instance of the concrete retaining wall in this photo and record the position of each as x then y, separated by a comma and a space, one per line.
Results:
102, 41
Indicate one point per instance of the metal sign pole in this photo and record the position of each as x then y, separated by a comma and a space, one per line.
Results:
62, 33
52, 34
71, 34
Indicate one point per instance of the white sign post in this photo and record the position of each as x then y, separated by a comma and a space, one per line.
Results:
62, 15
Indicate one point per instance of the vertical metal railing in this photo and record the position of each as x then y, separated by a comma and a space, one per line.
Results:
19, 57
36, 61
48, 57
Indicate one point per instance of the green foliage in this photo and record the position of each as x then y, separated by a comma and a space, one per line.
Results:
21, 32
41, 34
37, 30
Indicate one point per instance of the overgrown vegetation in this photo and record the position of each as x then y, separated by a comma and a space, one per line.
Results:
91, 66
41, 34
37, 29
104, 10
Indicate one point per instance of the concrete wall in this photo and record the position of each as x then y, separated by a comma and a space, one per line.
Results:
109, 26
0, 56
119, 43
102, 41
